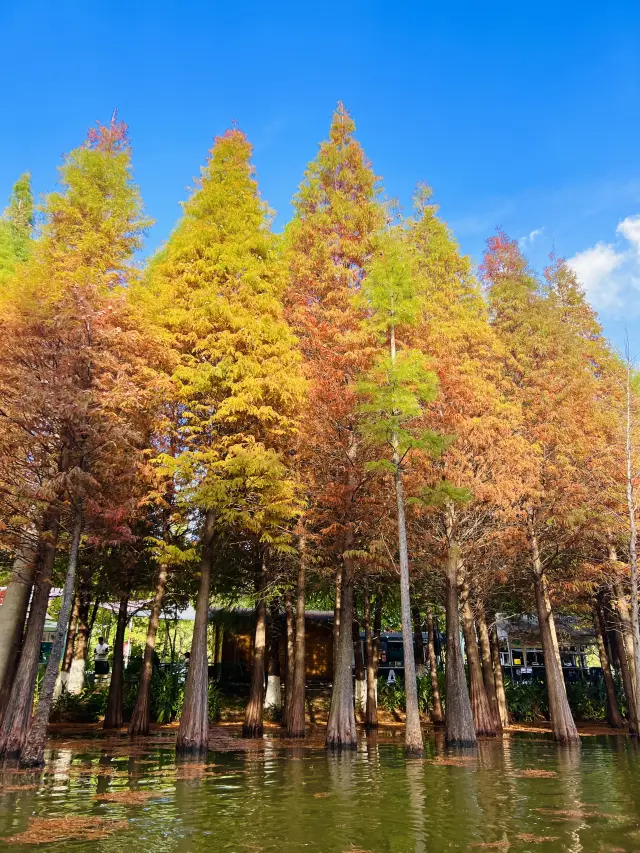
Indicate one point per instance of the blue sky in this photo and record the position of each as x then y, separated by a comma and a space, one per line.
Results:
519, 115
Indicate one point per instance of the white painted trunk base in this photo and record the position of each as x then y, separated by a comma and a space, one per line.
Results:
75, 679
361, 694
273, 696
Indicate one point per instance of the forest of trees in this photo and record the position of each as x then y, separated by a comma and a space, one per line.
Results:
347, 409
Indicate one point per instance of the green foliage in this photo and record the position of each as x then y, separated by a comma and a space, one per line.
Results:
16, 227
167, 695
85, 707
526, 700
215, 708
392, 697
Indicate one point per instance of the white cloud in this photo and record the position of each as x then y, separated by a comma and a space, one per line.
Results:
530, 237
610, 272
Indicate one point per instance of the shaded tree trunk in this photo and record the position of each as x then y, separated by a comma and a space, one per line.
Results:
290, 657
219, 648
336, 619
625, 673
499, 679
15, 722
71, 635
360, 677
33, 753
252, 726
562, 724
296, 722
418, 642
488, 674
75, 679
273, 695
614, 717
113, 714
482, 717
341, 727
372, 646
437, 713
141, 716
193, 732
13, 614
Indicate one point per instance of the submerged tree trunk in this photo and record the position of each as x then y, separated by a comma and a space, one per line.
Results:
193, 733
488, 674
341, 727
296, 721
497, 673
15, 722
418, 642
33, 753
437, 713
614, 717
372, 645
562, 724
252, 726
13, 613
113, 714
482, 717
141, 716
290, 658
360, 677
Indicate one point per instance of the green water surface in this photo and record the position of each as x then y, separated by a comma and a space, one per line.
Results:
294, 798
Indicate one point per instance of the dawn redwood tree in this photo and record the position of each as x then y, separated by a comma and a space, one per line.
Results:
337, 214
16, 229
215, 296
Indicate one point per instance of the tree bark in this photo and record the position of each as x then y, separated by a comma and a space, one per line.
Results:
15, 722
141, 716
113, 714
497, 673
418, 642
252, 727
614, 717
488, 674
372, 645
621, 607
33, 753
341, 727
71, 635
193, 732
336, 620
75, 679
273, 695
296, 721
482, 717
562, 724
360, 677
290, 657
633, 541
625, 671
460, 730
13, 612
437, 713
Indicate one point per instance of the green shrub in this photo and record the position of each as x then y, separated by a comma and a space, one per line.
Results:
85, 707
526, 700
587, 700
214, 702
167, 696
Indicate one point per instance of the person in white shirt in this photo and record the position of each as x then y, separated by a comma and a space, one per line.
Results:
100, 657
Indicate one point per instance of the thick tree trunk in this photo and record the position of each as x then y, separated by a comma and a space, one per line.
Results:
614, 717
418, 642
15, 722
296, 722
488, 674
341, 727
562, 724
621, 607
460, 730
360, 677
33, 753
625, 672
290, 657
371, 644
252, 727
13, 612
499, 679
113, 714
273, 695
141, 716
482, 717
193, 732
437, 713
75, 678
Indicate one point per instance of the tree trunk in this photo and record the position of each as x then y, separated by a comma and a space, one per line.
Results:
273, 696
482, 718
633, 540
252, 726
75, 679
13, 612
621, 607
33, 753
296, 722
614, 717
290, 657
15, 722
341, 727
371, 644
141, 716
113, 714
437, 713
220, 642
360, 678
71, 636
336, 620
562, 724
460, 730
418, 642
488, 674
497, 673
625, 672
193, 732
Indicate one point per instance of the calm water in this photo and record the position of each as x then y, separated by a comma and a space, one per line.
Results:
285, 799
